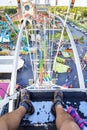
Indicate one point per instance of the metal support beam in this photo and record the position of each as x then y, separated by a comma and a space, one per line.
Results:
64, 25
76, 56
15, 63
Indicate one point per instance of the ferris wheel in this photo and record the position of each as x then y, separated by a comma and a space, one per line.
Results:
42, 61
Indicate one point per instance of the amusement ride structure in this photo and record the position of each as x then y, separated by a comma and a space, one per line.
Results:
43, 62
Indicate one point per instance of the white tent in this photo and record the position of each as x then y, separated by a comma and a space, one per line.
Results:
4, 39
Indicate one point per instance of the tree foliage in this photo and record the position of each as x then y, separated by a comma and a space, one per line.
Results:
10, 10
84, 13
16, 22
0, 17
75, 10
13, 36
81, 39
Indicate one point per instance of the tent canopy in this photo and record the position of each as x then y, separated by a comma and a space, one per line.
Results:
60, 68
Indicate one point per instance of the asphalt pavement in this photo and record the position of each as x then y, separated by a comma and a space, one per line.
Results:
81, 48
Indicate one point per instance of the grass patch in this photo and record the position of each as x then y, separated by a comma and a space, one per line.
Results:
57, 36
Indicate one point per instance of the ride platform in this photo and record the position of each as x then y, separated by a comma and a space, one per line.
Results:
42, 101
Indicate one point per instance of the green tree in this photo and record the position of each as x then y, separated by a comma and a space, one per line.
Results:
84, 13
10, 10
75, 15
81, 39
16, 22
13, 37
0, 17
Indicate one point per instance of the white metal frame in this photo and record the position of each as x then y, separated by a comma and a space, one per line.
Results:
77, 61
15, 63
76, 56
